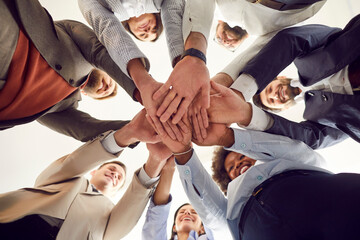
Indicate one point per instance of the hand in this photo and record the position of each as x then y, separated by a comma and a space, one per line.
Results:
189, 77
159, 151
138, 129
228, 107
198, 118
218, 134
146, 86
177, 146
169, 165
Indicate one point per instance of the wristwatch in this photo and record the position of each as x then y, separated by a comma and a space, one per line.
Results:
195, 53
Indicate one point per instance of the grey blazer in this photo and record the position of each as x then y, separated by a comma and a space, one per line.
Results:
72, 50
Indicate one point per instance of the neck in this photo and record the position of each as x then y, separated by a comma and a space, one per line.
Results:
182, 235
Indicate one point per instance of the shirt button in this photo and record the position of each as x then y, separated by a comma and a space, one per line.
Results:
243, 145
324, 98
71, 81
187, 172
58, 67
259, 178
310, 93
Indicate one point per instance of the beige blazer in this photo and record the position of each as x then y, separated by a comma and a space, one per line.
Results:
61, 191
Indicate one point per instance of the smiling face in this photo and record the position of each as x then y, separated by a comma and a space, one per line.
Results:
229, 37
186, 220
99, 85
144, 27
108, 179
236, 164
278, 94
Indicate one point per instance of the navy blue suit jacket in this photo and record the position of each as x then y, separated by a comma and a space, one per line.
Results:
318, 52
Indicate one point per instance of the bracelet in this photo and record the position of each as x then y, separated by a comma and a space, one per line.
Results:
194, 53
182, 153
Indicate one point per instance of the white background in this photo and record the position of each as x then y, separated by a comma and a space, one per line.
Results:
26, 150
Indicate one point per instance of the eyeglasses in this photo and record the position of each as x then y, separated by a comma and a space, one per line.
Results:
230, 47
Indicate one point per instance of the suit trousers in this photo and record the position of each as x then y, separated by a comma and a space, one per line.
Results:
303, 205
31, 227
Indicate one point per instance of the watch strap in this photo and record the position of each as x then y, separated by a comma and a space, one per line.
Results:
194, 53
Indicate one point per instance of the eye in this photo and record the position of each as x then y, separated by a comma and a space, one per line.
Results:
231, 168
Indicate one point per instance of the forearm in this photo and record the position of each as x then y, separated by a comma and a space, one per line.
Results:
162, 192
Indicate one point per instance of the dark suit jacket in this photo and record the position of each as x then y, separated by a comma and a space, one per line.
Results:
72, 50
318, 52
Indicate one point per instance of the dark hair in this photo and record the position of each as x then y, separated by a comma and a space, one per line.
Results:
159, 27
257, 101
220, 174
173, 233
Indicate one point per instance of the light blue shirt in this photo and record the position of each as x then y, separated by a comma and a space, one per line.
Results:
105, 17
275, 154
156, 223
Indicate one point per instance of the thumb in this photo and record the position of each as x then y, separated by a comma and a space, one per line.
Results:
218, 87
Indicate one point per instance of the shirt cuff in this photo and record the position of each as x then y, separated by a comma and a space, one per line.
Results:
110, 144
245, 84
145, 180
260, 120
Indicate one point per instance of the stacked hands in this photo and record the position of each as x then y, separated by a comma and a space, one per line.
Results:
178, 116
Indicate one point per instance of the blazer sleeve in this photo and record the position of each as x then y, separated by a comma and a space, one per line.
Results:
77, 124
128, 210
198, 17
96, 53
172, 15
283, 48
111, 33
76, 164
315, 135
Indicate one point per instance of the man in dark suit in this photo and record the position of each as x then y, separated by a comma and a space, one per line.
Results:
319, 52
43, 65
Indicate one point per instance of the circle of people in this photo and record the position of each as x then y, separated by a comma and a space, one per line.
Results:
267, 183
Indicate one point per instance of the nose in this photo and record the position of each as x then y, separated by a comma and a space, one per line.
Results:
115, 174
273, 95
187, 212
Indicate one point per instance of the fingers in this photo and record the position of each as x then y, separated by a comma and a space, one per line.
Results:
205, 96
196, 127
171, 109
204, 117
181, 110
169, 130
166, 102
176, 131
183, 126
218, 87
162, 90
201, 125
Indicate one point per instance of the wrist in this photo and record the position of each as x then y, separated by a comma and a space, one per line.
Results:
124, 136
245, 114
228, 139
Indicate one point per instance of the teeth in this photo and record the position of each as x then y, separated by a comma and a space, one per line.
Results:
189, 219
244, 169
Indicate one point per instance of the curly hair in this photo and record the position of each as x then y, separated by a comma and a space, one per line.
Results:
159, 27
220, 175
